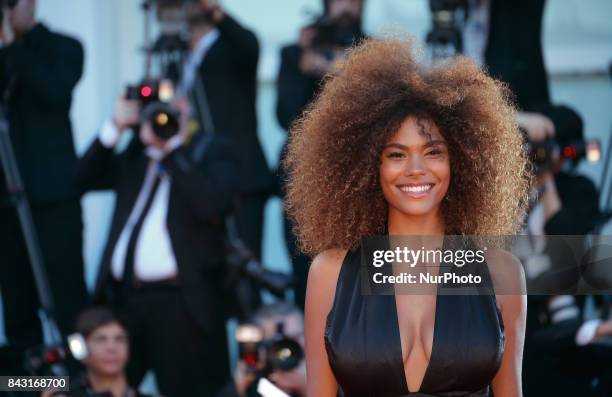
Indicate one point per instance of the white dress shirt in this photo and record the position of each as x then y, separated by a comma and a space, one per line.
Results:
154, 258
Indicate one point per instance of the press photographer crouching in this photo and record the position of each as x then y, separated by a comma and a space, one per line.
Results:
271, 354
102, 343
162, 268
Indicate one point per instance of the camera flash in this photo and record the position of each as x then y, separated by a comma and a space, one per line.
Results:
249, 333
166, 90
593, 152
77, 346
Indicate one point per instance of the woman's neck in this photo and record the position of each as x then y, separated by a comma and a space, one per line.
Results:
116, 384
430, 224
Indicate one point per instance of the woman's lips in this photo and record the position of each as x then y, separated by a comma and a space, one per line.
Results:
415, 190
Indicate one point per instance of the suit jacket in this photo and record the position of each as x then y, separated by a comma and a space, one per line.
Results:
229, 76
200, 195
294, 88
42, 71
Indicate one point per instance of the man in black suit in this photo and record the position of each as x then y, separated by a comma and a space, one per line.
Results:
163, 265
302, 68
221, 74
38, 72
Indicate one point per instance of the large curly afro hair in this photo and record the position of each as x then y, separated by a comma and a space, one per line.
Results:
333, 192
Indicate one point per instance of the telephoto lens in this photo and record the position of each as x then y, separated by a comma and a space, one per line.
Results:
163, 118
283, 352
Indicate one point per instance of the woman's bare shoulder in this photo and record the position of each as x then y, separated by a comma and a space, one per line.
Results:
323, 276
509, 281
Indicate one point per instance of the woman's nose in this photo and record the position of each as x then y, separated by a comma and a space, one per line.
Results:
414, 165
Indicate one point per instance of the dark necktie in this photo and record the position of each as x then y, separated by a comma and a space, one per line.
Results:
128, 269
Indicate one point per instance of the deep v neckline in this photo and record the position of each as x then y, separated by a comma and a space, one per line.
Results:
433, 342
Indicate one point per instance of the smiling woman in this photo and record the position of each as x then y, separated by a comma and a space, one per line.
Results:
415, 169
389, 147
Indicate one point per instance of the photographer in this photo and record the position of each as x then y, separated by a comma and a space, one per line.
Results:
560, 340
320, 45
38, 72
220, 74
302, 68
293, 381
107, 353
162, 268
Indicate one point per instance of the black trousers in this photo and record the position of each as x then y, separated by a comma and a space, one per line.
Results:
165, 338
249, 219
59, 229
299, 262
249, 216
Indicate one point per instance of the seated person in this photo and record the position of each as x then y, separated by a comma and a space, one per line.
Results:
107, 355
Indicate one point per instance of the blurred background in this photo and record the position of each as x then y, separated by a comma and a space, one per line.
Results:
576, 39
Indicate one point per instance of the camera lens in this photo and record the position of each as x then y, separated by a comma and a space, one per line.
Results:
284, 354
163, 118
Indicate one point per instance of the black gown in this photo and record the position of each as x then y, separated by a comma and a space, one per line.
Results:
363, 344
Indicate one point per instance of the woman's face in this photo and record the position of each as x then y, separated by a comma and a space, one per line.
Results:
107, 350
415, 168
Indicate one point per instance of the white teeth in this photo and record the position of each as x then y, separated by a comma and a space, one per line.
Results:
415, 189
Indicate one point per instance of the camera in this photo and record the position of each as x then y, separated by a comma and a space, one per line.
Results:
281, 351
544, 154
6, 4
154, 97
330, 35
444, 38
567, 144
166, 53
55, 360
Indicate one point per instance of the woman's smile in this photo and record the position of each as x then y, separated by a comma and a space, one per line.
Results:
416, 190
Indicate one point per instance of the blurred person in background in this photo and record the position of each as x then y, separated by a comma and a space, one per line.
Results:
220, 75
563, 356
38, 72
505, 36
163, 265
564, 353
292, 382
107, 354
303, 65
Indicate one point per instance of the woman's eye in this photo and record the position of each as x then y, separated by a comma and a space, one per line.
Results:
395, 155
434, 152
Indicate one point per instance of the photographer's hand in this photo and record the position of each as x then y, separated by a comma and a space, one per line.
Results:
293, 381
127, 113
7, 34
213, 10
538, 126
243, 378
604, 330
314, 63
548, 194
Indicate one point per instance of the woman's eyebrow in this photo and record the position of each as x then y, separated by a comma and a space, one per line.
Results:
426, 145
